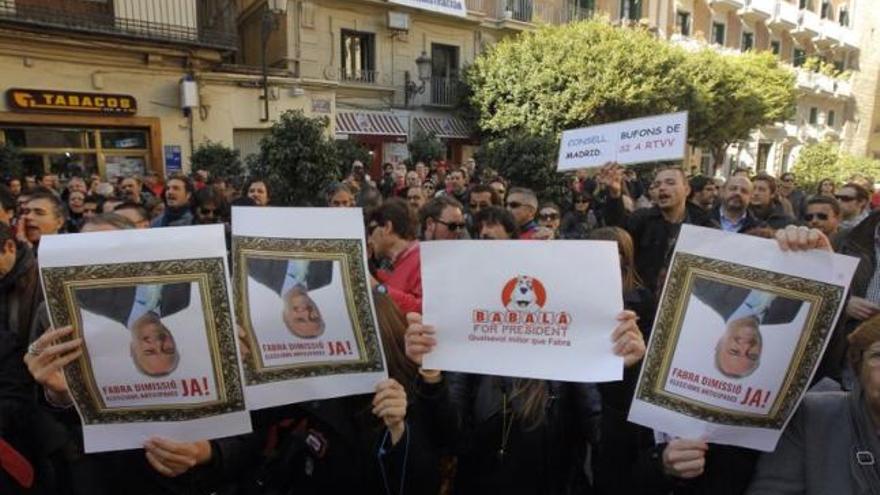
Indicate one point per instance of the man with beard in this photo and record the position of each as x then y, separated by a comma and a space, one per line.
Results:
765, 205
442, 219
654, 230
131, 188
733, 213
178, 193
703, 192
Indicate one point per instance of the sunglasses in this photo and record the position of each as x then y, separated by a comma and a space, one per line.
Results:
845, 199
820, 216
207, 211
454, 227
548, 216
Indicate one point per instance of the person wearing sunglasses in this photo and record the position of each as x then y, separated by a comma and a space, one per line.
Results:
391, 236
549, 217
523, 204
853, 200
580, 220
823, 213
442, 219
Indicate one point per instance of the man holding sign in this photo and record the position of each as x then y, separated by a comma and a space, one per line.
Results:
654, 230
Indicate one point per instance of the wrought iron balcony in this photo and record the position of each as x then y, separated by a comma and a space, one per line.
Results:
208, 23
445, 91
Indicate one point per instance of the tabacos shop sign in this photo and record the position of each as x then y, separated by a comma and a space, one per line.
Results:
524, 317
49, 101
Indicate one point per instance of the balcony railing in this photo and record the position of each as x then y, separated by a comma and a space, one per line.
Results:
208, 23
445, 91
361, 76
518, 10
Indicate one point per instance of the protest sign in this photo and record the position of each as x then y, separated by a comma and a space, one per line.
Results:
154, 312
740, 330
648, 139
303, 298
513, 308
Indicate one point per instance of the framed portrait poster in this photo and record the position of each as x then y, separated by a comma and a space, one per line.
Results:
303, 299
153, 310
740, 331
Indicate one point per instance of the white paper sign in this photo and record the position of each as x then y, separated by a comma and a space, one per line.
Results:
154, 311
536, 309
303, 298
739, 334
648, 139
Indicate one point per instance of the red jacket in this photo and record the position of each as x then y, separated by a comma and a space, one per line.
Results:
404, 281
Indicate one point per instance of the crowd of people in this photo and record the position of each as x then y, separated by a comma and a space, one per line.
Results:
426, 431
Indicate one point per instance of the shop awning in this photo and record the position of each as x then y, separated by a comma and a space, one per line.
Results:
369, 123
444, 127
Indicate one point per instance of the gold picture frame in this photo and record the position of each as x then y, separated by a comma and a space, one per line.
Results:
61, 285
824, 300
349, 254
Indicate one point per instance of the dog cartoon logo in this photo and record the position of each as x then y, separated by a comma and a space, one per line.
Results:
524, 293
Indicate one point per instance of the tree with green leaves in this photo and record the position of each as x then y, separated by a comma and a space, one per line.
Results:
824, 161
217, 159
425, 147
298, 160
576, 75
527, 161
349, 150
734, 95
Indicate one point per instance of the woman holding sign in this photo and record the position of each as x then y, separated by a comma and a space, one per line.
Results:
511, 432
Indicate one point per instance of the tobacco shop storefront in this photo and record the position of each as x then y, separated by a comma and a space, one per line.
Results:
74, 133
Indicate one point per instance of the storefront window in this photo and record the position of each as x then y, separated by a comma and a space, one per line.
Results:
70, 151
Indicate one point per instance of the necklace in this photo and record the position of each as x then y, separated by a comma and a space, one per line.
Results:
506, 424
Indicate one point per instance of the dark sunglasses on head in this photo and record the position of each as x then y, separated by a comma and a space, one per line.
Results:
820, 216
845, 199
452, 226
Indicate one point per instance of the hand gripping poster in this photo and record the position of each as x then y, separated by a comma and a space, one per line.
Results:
538, 309
303, 300
154, 312
740, 330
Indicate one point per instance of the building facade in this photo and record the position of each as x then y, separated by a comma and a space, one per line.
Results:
381, 72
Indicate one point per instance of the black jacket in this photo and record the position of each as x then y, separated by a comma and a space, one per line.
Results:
857, 242
726, 299
653, 237
543, 459
271, 273
117, 303
773, 216
331, 446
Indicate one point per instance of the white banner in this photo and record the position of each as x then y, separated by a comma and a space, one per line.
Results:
648, 139
302, 296
538, 309
449, 7
740, 331
153, 309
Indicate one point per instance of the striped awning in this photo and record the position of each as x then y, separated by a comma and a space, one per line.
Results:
444, 127
369, 123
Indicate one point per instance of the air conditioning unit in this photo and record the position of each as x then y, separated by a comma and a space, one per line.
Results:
398, 21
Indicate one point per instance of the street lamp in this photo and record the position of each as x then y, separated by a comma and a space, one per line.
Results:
268, 24
410, 89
